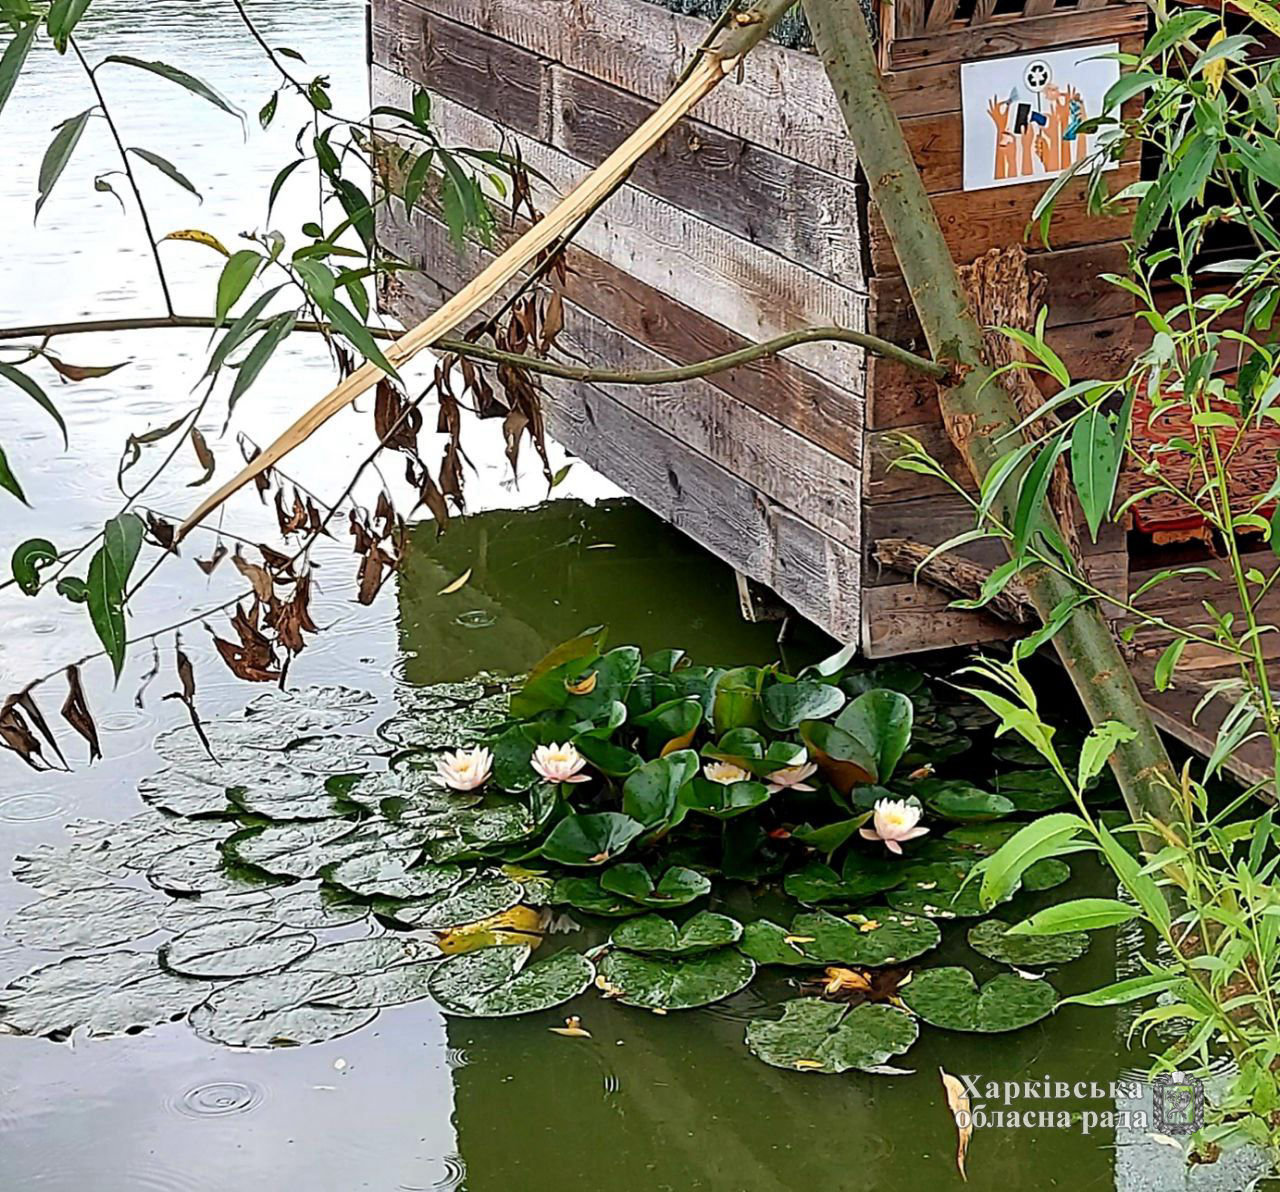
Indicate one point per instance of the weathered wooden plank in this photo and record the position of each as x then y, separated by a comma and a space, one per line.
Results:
993, 40
1074, 295
785, 467
774, 201
643, 47
896, 397
754, 292
828, 417
973, 221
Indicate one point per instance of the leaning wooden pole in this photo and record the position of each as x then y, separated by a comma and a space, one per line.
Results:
979, 415
714, 64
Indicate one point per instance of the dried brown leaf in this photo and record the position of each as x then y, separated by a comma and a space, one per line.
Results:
958, 1104
204, 457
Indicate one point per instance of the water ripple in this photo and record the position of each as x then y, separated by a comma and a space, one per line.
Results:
29, 808
220, 1098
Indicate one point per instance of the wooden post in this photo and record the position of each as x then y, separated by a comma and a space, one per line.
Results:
978, 414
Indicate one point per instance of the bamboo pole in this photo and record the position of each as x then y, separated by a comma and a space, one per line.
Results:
745, 32
979, 415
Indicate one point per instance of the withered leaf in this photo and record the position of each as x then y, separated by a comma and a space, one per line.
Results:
207, 565
161, 531
187, 692
958, 1103
460, 582
203, 455
82, 372
75, 711
16, 735
259, 580
27, 703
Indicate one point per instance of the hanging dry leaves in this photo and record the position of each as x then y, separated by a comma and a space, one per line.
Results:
259, 580
75, 711
187, 692
207, 565
204, 456
958, 1104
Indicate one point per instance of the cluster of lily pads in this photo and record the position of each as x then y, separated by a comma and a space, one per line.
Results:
501, 847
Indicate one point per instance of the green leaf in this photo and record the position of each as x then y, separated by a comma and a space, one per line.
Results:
1098, 747
58, 154
785, 705
1028, 516
231, 948
276, 333
167, 168
236, 275
1177, 29
676, 983
723, 800
29, 559
1097, 448
862, 876
109, 571
1046, 837
950, 998
654, 935
678, 886
829, 1037
14, 58
1199, 154
877, 936
991, 938
494, 982
881, 719
358, 334
650, 795
8, 481
737, 699
182, 78
64, 16
1168, 662
590, 839
1082, 914
1122, 992
239, 331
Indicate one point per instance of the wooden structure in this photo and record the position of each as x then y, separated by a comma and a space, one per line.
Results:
749, 221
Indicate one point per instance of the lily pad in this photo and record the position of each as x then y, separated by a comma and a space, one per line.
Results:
304, 711
477, 898
284, 794
185, 793
951, 999
494, 982
954, 799
182, 914
285, 1009
590, 839
723, 800
651, 794
678, 886
297, 850
235, 948
785, 705
586, 894
1046, 874
878, 936
386, 970
655, 983
934, 890
97, 917
201, 868
1033, 790
310, 909
861, 877
661, 937
106, 994
832, 1037
393, 874
991, 939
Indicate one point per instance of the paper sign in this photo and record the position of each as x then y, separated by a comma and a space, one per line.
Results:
1022, 115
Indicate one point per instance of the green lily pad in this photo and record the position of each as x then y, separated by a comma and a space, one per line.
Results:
678, 886
862, 876
202, 868
107, 994
991, 939
723, 800
97, 917
447, 715
958, 800
785, 705
408, 791
394, 874
386, 970
660, 937
1046, 874
477, 898
310, 909
184, 793
878, 936
951, 999
673, 720
934, 890
650, 795
287, 1009
985, 838
296, 850
306, 711
182, 914
494, 982
235, 948
586, 894
881, 719
1033, 790
284, 794
654, 983
831, 1037
590, 839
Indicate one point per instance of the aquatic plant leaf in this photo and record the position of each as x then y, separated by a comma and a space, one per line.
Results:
933, 889
590, 839
651, 794
184, 792
723, 800
678, 886
586, 894
182, 914
875, 937
785, 705
984, 838
310, 909
60, 870
844, 761
862, 876
951, 999
106, 994
1045, 874
674, 983
447, 715
882, 720
297, 849
607, 758
307, 711
831, 1037
234, 948
94, 917
991, 939
369, 954
605, 682
670, 725
513, 753
407, 791
655, 935
286, 1009
494, 983
483, 895
395, 986
736, 701
392, 874
283, 794
955, 799
201, 868
1033, 790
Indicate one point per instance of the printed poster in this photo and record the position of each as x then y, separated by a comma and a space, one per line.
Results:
1022, 115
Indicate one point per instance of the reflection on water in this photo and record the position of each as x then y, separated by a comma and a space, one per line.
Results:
413, 1102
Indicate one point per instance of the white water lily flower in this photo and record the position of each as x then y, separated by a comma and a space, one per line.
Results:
792, 778
725, 773
895, 821
465, 769
559, 763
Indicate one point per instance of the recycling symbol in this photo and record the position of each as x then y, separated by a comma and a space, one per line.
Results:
1037, 76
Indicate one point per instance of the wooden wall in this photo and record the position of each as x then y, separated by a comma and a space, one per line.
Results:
743, 225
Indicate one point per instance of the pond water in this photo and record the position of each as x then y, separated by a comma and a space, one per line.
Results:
414, 1100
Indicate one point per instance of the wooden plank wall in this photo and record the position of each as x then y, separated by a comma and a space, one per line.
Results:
1092, 323
743, 225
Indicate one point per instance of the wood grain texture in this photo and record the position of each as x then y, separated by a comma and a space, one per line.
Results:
753, 292
814, 573
642, 48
